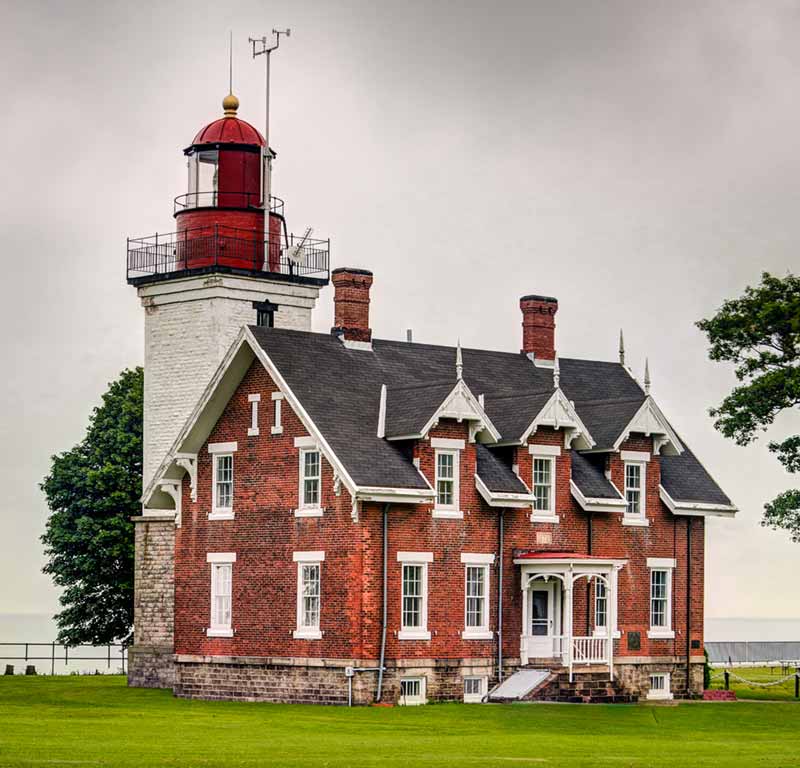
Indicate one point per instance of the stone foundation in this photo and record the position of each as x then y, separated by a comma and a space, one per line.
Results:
151, 667
635, 677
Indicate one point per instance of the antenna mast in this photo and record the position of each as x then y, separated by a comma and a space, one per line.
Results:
263, 47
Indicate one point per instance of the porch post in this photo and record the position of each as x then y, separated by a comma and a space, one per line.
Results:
523, 640
568, 622
612, 618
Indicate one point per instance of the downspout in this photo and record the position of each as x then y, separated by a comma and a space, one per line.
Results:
589, 521
500, 523
384, 599
688, 604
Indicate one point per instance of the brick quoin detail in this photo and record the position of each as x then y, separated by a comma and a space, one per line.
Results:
539, 326
351, 303
265, 533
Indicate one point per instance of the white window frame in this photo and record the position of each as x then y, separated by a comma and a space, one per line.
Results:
277, 426
475, 698
307, 445
666, 565
217, 452
445, 446
303, 631
218, 560
601, 629
639, 459
662, 693
484, 562
412, 701
254, 400
545, 453
421, 559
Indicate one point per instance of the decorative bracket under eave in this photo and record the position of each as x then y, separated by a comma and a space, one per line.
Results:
188, 461
173, 489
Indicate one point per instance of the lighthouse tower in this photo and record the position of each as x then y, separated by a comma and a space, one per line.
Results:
230, 261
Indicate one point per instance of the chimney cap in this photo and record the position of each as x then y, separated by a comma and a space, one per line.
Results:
534, 297
351, 271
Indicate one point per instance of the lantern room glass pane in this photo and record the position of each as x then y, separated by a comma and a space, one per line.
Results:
203, 179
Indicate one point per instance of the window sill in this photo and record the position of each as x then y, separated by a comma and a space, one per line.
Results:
602, 633
544, 518
251, 432
635, 522
276, 430
219, 633
448, 514
220, 515
308, 512
477, 635
413, 634
661, 634
307, 634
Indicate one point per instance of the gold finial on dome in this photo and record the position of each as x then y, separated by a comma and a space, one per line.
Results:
229, 105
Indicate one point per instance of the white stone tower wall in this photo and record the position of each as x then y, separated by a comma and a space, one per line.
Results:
189, 326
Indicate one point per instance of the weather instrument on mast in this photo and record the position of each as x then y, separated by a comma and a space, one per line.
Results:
297, 253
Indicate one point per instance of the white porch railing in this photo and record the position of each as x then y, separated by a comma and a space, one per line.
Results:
590, 650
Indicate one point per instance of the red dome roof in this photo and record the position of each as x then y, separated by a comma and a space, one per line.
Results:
229, 130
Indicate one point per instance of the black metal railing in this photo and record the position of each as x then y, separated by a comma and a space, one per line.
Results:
64, 659
227, 249
218, 199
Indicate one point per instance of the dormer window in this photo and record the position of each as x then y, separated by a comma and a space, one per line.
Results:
544, 460
635, 469
447, 454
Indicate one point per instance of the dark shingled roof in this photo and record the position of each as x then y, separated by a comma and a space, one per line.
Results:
408, 409
685, 479
496, 475
340, 389
589, 475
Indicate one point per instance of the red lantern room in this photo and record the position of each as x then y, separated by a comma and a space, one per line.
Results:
220, 217
224, 201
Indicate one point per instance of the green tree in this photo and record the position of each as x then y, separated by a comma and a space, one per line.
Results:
92, 492
760, 333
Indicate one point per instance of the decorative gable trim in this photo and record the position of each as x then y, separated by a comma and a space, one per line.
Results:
559, 413
589, 504
649, 420
696, 508
503, 498
460, 405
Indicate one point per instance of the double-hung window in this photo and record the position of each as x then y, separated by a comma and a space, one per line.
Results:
222, 480
476, 596
310, 479
635, 468
543, 461
221, 593
600, 607
414, 595
309, 594
661, 569
446, 480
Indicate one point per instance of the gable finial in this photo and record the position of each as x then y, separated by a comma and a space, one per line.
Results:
621, 348
647, 377
556, 374
459, 362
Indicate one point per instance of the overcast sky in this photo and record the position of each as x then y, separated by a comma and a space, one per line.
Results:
638, 160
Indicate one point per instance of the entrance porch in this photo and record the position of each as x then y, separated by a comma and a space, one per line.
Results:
549, 626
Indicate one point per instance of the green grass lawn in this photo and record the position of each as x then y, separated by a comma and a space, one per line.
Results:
90, 721
782, 692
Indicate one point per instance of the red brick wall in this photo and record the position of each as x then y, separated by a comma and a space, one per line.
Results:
265, 533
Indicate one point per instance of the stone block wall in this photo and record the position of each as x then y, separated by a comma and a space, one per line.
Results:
635, 678
150, 662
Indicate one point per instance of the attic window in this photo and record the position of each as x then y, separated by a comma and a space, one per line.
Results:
265, 313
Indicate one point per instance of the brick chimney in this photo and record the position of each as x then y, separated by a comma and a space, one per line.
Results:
351, 303
539, 326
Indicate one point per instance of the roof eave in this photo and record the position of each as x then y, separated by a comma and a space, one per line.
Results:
696, 508
594, 504
502, 498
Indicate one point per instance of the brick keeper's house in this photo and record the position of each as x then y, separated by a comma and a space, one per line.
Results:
332, 516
